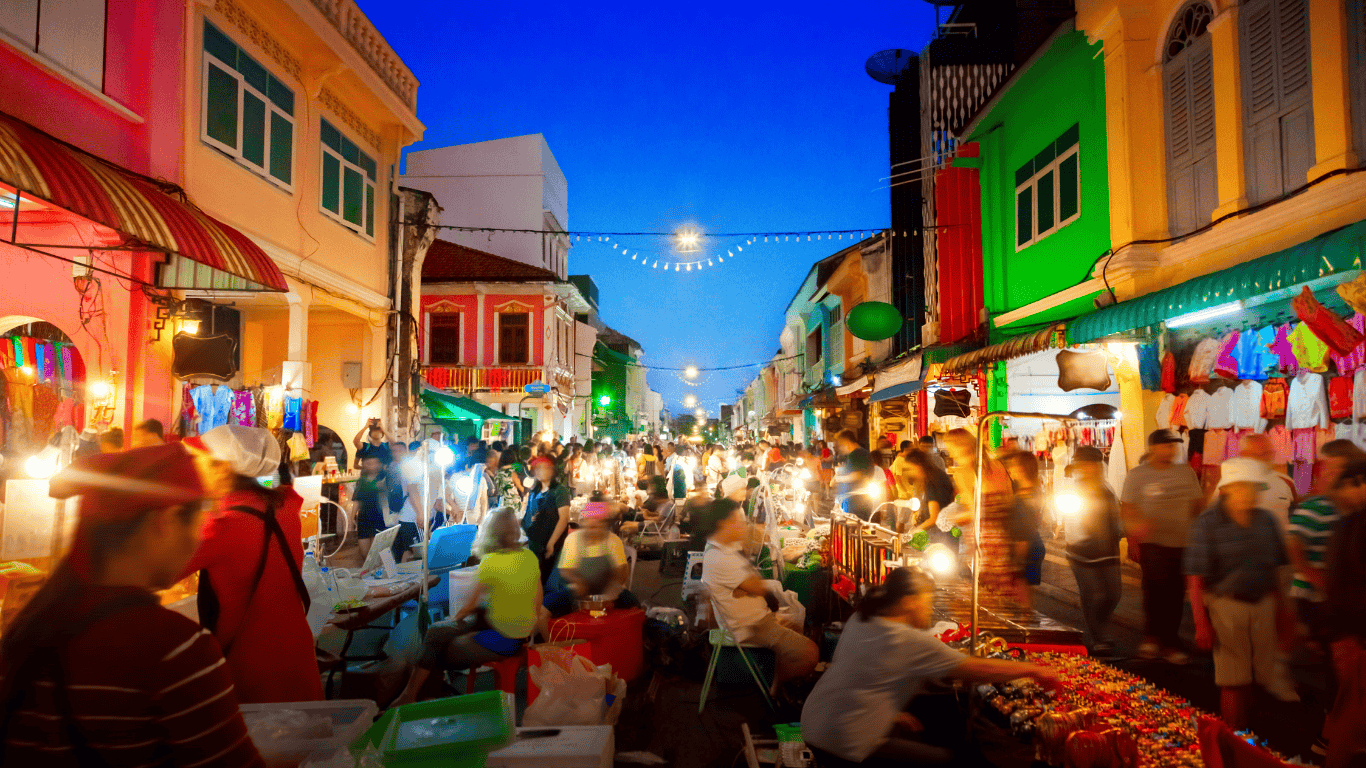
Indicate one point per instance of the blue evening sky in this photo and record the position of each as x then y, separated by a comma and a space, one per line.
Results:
735, 117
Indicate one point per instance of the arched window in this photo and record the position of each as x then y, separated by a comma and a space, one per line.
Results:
1278, 112
1188, 81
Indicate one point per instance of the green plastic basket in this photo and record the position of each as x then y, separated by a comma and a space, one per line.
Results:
461, 731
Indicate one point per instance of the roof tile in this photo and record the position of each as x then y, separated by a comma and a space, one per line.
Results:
449, 262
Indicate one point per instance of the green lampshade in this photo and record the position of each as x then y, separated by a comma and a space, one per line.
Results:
874, 321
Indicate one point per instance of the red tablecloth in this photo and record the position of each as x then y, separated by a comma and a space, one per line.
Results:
617, 638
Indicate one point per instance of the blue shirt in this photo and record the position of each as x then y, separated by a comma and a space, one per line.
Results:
1236, 561
1252, 354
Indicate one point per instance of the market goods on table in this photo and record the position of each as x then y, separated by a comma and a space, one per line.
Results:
1101, 717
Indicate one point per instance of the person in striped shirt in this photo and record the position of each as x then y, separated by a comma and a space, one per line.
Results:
94, 671
1311, 529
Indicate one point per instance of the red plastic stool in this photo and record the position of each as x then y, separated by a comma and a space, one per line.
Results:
504, 673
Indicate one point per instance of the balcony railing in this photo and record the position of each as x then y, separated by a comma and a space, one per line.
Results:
351, 22
501, 380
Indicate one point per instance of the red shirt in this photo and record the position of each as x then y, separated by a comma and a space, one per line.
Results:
147, 687
271, 653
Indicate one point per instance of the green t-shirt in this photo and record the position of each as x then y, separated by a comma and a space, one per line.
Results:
510, 578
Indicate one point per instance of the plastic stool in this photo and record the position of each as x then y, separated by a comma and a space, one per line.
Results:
673, 559
504, 673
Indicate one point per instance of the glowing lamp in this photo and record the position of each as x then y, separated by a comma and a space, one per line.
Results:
940, 559
915, 505
444, 457
605, 400
352, 408
874, 321
1068, 504
690, 371
100, 389
42, 465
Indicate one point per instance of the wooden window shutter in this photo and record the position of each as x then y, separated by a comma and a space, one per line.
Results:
1192, 192
1277, 97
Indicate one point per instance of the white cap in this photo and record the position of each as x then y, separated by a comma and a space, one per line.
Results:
248, 450
1242, 470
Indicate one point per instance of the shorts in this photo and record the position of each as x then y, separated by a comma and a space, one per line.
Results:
785, 643
1245, 644
369, 522
407, 536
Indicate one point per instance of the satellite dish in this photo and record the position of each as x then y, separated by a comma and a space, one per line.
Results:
891, 66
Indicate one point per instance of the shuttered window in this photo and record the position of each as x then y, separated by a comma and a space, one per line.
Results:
444, 339
1188, 76
67, 33
246, 112
1277, 98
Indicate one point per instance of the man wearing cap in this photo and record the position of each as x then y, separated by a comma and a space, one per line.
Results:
251, 592
1231, 564
1159, 500
1092, 529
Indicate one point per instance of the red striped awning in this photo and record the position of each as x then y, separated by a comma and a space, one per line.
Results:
38, 165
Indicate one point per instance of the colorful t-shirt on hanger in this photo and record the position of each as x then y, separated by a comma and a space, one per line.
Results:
1282, 443
1179, 410
1274, 395
1197, 409
213, 403
1149, 368
1310, 352
1226, 365
293, 413
1340, 398
1168, 372
1202, 360
1246, 407
1284, 351
1164, 411
1253, 353
1357, 357
243, 409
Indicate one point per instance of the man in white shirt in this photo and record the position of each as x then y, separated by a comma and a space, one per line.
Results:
742, 598
1278, 490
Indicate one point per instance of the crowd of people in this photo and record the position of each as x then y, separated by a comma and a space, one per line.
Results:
554, 519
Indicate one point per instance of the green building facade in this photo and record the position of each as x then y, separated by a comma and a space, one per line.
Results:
1044, 184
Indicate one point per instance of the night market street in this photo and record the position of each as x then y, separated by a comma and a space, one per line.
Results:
943, 382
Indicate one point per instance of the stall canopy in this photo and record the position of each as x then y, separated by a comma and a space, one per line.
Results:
1335, 254
1019, 346
446, 407
146, 213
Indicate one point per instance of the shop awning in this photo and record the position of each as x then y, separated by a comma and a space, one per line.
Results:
1332, 253
444, 407
40, 166
1016, 347
900, 379
845, 390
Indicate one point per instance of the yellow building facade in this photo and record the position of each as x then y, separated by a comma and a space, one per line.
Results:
296, 112
1234, 132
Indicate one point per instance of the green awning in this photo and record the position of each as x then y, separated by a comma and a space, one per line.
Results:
1332, 253
444, 407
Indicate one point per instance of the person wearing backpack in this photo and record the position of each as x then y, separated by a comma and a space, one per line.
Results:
251, 591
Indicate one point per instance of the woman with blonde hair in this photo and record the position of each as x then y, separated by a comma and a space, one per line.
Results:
500, 615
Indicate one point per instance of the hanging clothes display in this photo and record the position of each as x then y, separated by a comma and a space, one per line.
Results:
1307, 405
293, 413
1219, 414
212, 404
310, 422
1226, 364
243, 409
1311, 354
1164, 411
1197, 409
1203, 359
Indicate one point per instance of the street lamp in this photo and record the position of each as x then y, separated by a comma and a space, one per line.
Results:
605, 400
690, 371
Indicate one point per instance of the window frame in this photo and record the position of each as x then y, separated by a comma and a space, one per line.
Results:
1287, 104
1183, 63
207, 60
498, 339
1054, 166
367, 184
48, 59
459, 337
820, 346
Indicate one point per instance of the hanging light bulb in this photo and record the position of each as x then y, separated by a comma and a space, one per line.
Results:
689, 267
633, 257
718, 258
730, 254
765, 238
709, 262
738, 248
614, 246
654, 265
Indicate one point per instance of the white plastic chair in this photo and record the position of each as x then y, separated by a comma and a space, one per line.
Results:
658, 527
631, 556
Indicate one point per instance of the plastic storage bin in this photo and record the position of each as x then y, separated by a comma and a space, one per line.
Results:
571, 746
350, 718
457, 731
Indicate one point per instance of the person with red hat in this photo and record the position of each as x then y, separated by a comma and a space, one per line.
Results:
251, 589
546, 516
94, 671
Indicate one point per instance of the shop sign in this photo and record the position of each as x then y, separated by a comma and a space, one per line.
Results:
536, 389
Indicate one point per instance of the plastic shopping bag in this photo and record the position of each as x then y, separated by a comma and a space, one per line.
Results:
790, 610
579, 694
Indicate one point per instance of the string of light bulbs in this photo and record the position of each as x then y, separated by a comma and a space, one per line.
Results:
632, 364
